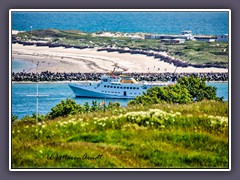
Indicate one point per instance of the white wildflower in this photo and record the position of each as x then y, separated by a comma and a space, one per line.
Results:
211, 117
178, 113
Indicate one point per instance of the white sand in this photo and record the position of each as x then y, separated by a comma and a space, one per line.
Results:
90, 60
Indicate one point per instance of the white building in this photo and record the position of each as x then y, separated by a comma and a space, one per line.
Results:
188, 35
222, 38
205, 38
173, 41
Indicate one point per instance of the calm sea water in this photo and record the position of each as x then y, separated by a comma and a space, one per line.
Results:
20, 65
26, 105
209, 23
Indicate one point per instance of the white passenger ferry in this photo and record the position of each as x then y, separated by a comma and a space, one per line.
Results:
112, 86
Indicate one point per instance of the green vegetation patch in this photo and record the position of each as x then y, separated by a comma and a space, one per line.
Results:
164, 128
195, 52
153, 136
186, 90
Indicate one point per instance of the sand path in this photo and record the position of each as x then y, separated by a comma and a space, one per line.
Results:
61, 59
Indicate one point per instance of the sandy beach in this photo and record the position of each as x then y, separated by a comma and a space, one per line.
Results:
67, 60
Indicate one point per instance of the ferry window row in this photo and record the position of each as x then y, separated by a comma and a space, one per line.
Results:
110, 92
118, 92
120, 87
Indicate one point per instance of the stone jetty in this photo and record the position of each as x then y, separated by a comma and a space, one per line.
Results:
53, 77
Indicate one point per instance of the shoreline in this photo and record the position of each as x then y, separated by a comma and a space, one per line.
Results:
91, 60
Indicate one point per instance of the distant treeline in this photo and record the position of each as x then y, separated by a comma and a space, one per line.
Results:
50, 76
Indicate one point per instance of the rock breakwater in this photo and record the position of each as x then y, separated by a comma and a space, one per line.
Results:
53, 77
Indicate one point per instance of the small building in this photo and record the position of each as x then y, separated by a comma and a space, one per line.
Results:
152, 36
173, 41
205, 38
187, 35
222, 38
134, 37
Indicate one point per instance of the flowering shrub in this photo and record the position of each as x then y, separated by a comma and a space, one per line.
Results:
154, 118
163, 135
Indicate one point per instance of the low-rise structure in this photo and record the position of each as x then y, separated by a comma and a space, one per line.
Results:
222, 38
173, 41
187, 35
205, 38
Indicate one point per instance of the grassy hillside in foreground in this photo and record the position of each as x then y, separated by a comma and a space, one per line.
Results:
192, 135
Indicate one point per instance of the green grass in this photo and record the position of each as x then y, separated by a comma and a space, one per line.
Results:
200, 52
195, 52
193, 135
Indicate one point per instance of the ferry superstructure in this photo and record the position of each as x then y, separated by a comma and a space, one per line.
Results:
112, 86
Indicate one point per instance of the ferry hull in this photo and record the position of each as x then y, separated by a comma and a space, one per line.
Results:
82, 92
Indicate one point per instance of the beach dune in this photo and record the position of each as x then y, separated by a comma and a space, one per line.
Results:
90, 60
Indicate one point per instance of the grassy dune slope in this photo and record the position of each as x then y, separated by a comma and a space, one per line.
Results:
195, 52
158, 136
